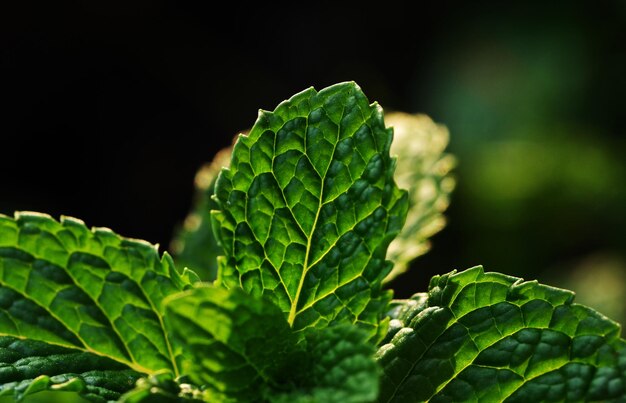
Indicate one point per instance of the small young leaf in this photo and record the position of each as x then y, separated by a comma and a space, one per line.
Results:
308, 208
87, 290
28, 366
194, 244
492, 337
424, 170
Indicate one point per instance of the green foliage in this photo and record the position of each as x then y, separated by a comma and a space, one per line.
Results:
240, 343
29, 366
89, 291
339, 367
194, 244
309, 206
244, 348
489, 337
304, 217
163, 387
424, 170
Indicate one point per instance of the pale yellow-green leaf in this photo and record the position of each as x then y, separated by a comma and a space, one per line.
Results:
424, 170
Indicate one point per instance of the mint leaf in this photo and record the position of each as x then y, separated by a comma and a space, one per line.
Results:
239, 343
343, 366
194, 244
28, 366
402, 311
244, 350
162, 388
341, 369
424, 170
90, 291
308, 208
492, 337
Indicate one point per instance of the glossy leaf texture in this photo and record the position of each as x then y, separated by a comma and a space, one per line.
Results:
339, 369
491, 337
194, 244
28, 366
162, 387
238, 343
244, 350
423, 168
402, 311
91, 291
308, 208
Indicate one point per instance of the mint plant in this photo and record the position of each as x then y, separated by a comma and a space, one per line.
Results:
302, 218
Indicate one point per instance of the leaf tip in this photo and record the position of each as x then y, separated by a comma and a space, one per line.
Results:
142, 243
261, 114
349, 83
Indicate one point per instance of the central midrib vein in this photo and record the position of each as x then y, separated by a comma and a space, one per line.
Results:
307, 256
305, 268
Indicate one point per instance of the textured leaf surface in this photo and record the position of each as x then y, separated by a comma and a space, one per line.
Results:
339, 369
424, 170
239, 343
28, 366
309, 206
162, 388
491, 337
194, 244
402, 311
88, 290
244, 350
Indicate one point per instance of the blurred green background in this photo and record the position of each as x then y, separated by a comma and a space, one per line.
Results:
49, 397
537, 125
109, 109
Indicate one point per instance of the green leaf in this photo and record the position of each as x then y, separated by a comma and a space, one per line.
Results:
402, 311
308, 208
194, 244
239, 343
244, 350
492, 337
28, 366
162, 388
340, 369
424, 170
91, 291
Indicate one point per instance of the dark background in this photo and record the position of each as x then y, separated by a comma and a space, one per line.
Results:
108, 109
